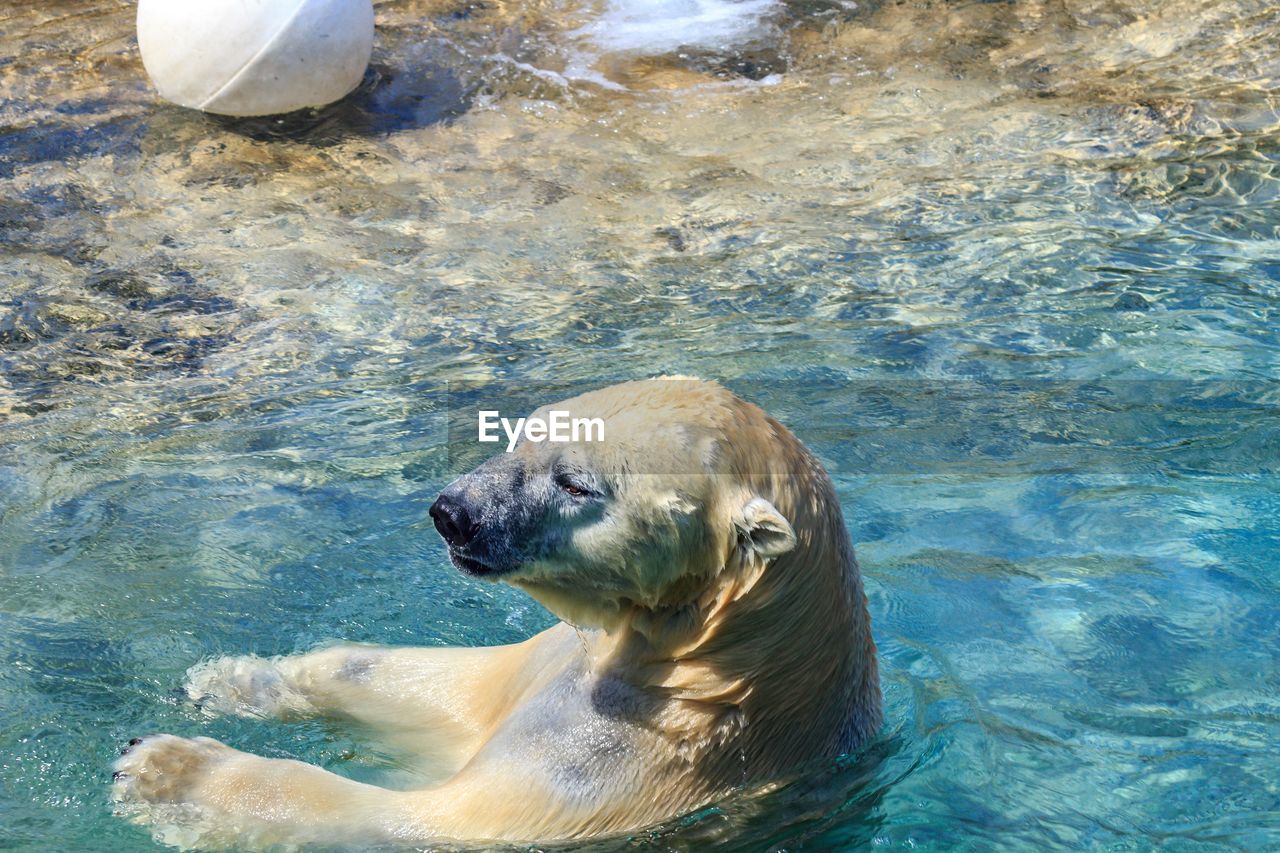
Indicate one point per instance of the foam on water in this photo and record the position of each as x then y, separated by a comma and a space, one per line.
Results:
653, 27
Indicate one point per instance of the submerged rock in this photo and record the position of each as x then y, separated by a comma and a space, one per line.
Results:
1131, 301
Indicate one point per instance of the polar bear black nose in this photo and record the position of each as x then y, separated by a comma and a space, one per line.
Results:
453, 522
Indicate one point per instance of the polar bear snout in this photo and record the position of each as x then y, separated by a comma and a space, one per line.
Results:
458, 525
475, 518
453, 521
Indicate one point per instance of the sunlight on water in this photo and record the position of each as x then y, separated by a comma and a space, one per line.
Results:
1011, 269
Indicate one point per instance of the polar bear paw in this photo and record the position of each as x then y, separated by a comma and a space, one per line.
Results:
172, 786
165, 769
245, 686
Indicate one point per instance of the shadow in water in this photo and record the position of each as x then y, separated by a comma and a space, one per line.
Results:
387, 100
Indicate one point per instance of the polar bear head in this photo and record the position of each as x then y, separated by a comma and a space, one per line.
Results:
708, 543
688, 482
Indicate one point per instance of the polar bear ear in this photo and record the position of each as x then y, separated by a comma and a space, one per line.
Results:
763, 529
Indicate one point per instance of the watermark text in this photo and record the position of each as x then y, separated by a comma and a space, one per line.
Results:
558, 427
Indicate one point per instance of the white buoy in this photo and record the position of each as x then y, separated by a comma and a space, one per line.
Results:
255, 57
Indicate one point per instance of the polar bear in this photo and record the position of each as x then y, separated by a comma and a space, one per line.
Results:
715, 635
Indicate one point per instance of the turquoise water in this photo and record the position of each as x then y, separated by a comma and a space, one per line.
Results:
1012, 270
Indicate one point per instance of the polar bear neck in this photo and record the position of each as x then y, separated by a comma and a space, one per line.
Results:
754, 667
780, 650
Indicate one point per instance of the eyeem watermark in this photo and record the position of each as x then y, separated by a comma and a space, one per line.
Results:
895, 426
557, 427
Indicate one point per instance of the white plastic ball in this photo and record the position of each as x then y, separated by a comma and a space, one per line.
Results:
255, 57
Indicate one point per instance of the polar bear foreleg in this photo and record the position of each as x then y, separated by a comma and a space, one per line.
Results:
199, 792
459, 690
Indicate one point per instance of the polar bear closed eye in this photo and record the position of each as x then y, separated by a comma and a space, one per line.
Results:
722, 638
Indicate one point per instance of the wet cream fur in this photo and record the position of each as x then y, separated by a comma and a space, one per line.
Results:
723, 640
